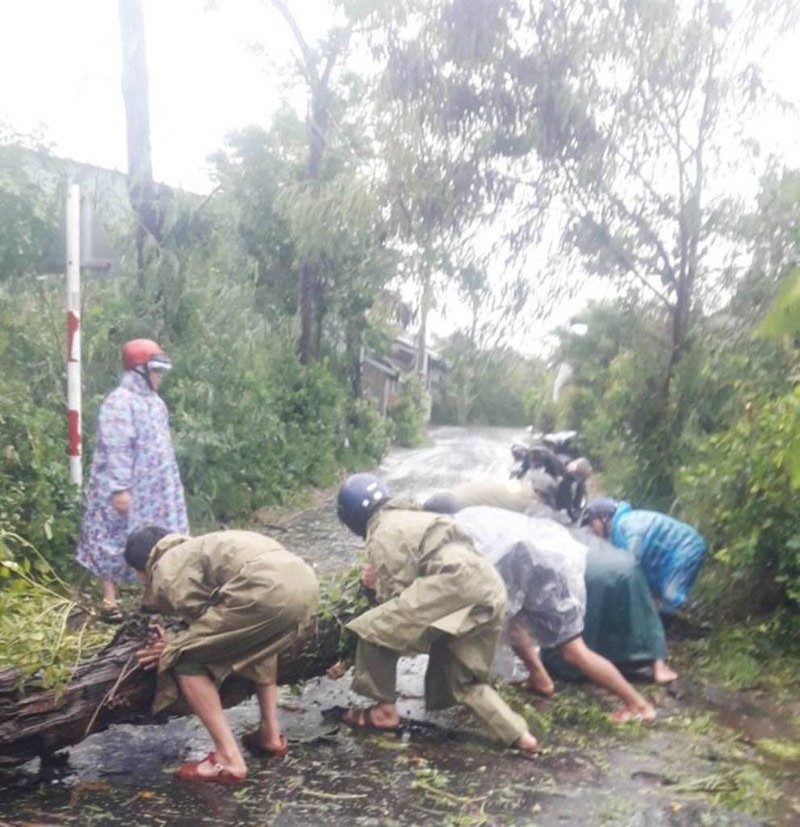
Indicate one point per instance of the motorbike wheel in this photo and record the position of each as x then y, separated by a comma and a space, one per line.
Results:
578, 499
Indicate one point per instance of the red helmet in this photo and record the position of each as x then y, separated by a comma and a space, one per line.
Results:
139, 352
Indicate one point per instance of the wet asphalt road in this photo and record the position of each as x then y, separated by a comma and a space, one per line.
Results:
454, 455
438, 771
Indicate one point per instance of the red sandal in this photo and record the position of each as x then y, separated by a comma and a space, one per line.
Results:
190, 772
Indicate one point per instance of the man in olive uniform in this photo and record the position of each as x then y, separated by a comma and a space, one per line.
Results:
243, 598
435, 594
513, 495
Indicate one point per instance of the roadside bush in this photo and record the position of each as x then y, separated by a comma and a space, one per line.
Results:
630, 436
575, 406
251, 426
368, 435
409, 413
37, 500
737, 493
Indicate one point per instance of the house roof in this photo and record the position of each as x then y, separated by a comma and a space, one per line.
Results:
382, 366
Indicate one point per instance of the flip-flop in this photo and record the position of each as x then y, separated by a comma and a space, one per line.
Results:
361, 720
252, 742
190, 772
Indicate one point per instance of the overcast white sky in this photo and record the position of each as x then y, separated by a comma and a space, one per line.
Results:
60, 64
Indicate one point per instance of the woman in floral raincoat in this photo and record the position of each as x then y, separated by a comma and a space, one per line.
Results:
135, 480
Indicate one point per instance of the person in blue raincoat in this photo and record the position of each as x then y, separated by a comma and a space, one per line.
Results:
670, 552
134, 480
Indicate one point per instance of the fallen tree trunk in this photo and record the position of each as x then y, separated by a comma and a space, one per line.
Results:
110, 688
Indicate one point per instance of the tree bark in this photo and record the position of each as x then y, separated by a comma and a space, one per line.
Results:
110, 688
142, 191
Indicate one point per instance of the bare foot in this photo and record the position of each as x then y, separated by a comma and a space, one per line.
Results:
540, 683
643, 715
527, 743
662, 674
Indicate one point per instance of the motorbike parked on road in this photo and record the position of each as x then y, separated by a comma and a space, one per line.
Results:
556, 470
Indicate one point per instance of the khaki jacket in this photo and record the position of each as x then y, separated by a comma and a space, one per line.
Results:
513, 495
430, 580
243, 596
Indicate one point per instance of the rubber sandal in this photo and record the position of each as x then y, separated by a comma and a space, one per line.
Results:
361, 720
252, 742
190, 772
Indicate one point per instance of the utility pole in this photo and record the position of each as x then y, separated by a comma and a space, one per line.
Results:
73, 307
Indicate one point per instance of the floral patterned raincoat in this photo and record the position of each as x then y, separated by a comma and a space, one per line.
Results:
133, 453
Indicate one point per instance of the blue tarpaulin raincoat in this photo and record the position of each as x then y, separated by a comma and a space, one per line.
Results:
669, 551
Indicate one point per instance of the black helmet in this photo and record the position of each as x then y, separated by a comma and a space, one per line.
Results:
359, 496
603, 508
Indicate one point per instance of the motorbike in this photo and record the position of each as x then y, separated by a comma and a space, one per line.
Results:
556, 469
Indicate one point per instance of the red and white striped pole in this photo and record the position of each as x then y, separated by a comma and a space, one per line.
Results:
73, 306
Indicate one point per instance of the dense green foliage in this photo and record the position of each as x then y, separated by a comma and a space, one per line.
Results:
251, 425
409, 413
493, 386
720, 456
737, 488
43, 632
37, 500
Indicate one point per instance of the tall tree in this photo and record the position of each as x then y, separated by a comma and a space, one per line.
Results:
143, 193
652, 132
316, 67
624, 116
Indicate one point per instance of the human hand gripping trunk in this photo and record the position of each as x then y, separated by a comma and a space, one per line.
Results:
150, 655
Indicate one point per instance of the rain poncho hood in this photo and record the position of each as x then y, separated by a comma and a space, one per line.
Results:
669, 551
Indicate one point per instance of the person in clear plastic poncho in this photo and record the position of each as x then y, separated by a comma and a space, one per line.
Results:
622, 622
543, 568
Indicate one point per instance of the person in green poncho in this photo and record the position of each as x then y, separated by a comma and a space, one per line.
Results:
434, 594
243, 597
